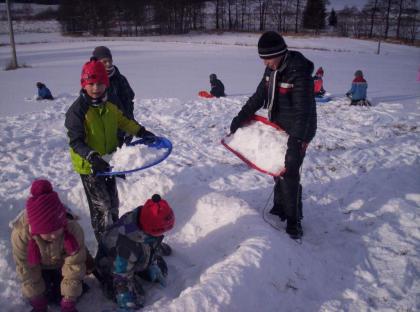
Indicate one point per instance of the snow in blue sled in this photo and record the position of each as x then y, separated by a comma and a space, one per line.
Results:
157, 143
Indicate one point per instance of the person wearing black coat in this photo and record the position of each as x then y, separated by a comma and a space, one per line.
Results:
217, 87
119, 88
287, 91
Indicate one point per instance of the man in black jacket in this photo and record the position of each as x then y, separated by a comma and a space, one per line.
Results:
119, 88
287, 91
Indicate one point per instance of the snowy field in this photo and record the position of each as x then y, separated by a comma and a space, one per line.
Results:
361, 244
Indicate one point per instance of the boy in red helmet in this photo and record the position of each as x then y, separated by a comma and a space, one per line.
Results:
92, 123
129, 252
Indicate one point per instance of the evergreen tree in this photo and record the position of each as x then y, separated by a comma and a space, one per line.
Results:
332, 19
314, 15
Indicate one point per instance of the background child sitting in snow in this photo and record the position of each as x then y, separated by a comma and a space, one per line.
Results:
131, 251
49, 251
319, 83
358, 90
43, 92
217, 87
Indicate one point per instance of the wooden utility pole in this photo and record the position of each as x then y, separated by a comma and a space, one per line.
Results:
14, 63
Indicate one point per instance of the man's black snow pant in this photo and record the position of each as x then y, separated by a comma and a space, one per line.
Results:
287, 190
102, 196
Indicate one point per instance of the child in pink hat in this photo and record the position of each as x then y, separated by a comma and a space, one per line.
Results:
49, 251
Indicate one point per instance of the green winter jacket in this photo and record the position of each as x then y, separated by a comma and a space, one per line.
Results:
94, 129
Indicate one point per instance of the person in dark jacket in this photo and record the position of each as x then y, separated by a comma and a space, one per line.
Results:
43, 92
119, 88
128, 253
217, 87
287, 91
92, 122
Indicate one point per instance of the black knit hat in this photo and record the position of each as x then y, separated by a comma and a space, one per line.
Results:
271, 45
102, 52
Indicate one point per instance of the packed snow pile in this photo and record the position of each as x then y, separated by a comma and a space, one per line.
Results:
133, 157
261, 144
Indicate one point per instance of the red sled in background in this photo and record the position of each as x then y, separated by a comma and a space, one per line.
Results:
205, 94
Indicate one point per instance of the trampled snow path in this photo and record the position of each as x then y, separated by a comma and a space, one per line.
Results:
361, 196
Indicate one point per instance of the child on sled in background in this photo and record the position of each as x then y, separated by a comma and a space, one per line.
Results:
319, 83
49, 251
217, 87
358, 90
43, 92
131, 250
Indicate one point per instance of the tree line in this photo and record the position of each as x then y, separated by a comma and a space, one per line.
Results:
376, 19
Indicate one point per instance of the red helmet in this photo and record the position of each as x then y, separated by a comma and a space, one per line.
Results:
156, 217
94, 72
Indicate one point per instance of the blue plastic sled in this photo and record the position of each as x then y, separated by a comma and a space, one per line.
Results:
158, 143
323, 99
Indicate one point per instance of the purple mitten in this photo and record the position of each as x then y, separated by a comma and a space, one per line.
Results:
39, 304
68, 306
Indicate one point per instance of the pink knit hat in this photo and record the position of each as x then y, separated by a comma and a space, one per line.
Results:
46, 214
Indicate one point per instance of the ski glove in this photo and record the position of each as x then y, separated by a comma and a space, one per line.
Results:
68, 305
39, 304
98, 164
148, 136
235, 125
156, 275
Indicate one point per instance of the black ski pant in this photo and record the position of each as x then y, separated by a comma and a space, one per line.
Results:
287, 190
102, 196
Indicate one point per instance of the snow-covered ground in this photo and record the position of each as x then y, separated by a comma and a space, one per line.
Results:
360, 250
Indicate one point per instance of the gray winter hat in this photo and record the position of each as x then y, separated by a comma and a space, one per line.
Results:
358, 73
102, 52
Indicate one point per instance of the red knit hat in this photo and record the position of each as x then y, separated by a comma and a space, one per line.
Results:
320, 72
156, 217
94, 72
46, 214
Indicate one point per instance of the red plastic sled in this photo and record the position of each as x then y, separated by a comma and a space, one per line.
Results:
205, 94
264, 120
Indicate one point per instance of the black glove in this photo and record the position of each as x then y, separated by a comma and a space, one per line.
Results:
236, 123
128, 139
348, 94
148, 136
98, 164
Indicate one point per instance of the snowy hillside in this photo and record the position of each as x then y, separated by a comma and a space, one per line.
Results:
360, 250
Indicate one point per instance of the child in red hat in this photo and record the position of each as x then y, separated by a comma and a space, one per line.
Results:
49, 251
319, 83
130, 251
92, 123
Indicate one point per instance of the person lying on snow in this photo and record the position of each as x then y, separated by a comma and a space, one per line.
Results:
49, 251
319, 83
131, 251
217, 87
43, 92
358, 90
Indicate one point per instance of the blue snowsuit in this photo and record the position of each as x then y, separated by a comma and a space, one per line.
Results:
44, 93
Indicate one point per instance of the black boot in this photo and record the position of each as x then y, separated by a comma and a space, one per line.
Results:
278, 212
294, 228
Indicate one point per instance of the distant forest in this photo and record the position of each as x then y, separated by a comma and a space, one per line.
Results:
387, 19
